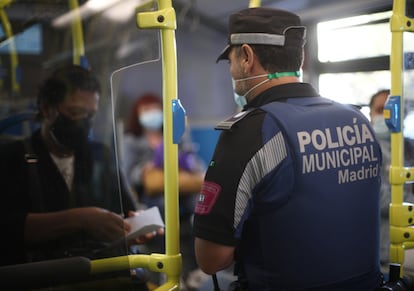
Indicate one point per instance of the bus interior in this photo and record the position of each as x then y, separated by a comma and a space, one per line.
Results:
347, 58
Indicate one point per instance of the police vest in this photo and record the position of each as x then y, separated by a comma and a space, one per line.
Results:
326, 233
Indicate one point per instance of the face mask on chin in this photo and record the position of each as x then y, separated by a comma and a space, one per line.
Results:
69, 133
241, 100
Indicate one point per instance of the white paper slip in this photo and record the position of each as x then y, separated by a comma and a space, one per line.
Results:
145, 221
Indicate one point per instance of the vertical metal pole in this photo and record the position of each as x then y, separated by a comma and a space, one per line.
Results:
394, 110
77, 33
165, 20
254, 3
14, 63
169, 69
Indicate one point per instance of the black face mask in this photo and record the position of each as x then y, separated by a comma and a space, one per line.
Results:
70, 133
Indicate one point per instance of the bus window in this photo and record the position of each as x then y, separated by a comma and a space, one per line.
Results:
354, 37
355, 87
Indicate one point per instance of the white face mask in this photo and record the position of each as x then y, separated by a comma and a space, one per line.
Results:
151, 119
380, 127
241, 100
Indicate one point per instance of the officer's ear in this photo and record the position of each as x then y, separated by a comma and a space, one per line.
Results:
248, 57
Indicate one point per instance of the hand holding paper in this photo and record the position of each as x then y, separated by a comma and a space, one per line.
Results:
144, 222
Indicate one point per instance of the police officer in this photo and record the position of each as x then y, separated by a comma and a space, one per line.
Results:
291, 194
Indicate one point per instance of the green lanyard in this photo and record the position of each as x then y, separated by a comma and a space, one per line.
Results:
283, 74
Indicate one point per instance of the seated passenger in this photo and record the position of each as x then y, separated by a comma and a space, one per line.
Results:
143, 165
60, 193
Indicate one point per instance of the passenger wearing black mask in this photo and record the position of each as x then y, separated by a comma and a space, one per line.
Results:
60, 189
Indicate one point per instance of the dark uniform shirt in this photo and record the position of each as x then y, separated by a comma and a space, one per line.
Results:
31, 182
234, 150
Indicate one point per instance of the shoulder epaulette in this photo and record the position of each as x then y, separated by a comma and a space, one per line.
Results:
229, 122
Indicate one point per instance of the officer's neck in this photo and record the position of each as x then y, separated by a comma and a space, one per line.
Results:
271, 83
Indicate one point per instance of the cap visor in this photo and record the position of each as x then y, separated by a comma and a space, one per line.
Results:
224, 55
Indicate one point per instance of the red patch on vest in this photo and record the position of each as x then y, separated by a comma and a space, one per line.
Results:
207, 198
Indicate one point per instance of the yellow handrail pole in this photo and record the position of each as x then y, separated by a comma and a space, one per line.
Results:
14, 63
401, 216
396, 63
169, 70
77, 33
165, 20
254, 3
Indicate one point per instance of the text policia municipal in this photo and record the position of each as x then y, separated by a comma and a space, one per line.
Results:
339, 148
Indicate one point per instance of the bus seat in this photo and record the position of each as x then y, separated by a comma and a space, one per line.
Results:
17, 126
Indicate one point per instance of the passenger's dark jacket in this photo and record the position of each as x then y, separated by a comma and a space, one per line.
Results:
31, 182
